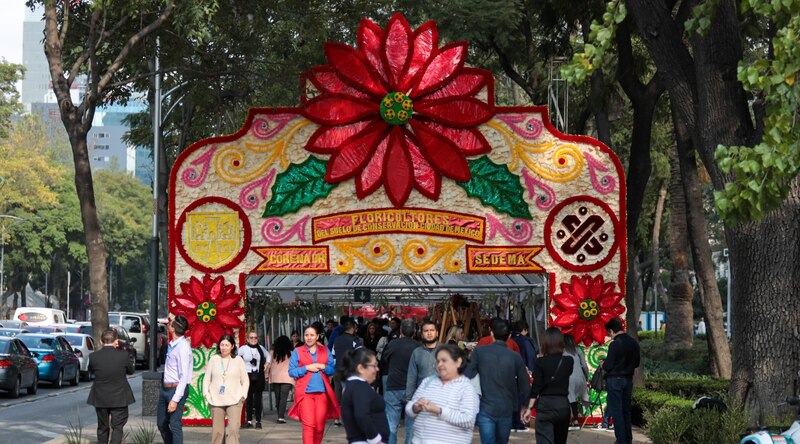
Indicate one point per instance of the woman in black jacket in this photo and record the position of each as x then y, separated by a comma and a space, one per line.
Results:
363, 410
550, 390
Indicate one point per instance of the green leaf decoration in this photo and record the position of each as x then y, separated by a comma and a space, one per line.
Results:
196, 400
495, 186
299, 186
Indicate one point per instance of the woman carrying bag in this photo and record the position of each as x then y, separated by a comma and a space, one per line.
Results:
550, 390
256, 359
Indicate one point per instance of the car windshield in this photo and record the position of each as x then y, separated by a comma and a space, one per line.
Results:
74, 340
38, 342
8, 333
4, 344
113, 319
44, 329
71, 328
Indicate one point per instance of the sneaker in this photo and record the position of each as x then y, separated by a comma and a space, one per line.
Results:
574, 428
337, 423
522, 430
248, 425
601, 427
609, 428
281, 421
258, 425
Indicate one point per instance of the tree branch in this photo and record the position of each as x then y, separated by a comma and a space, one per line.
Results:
512, 73
52, 50
63, 35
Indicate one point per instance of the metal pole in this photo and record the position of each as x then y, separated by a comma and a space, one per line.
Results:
154, 237
68, 281
2, 260
730, 321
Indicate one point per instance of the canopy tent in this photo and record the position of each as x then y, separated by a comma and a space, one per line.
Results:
407, 289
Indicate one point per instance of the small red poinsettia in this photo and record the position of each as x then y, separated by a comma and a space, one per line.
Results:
211, 307
399, 111
584, 306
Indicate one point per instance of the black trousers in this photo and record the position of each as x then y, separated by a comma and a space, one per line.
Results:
552, 420
281, 396
115, 418
255, 403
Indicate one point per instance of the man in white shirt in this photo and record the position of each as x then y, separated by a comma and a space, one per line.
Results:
175, 388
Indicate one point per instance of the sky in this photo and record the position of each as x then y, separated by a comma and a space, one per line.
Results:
11, 20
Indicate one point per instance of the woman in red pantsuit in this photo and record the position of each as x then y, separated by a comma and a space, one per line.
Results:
314, 401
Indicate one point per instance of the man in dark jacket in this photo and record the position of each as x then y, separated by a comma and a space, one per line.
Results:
621, 361
395, 358
110, 394
344, 342
504, 385
527, 351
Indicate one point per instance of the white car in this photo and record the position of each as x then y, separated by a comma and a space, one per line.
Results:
138, 326
83, 346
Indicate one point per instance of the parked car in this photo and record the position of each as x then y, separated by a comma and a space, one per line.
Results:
9, 323
56, 358
12, 332
138, 326
18, 368
83, 346
83, 327
126, 343
43, 329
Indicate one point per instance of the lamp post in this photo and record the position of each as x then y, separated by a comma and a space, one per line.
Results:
3, 230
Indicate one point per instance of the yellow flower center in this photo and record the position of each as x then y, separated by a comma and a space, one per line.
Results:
396, 108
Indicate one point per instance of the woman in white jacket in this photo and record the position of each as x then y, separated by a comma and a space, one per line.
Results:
225, 387
578, 380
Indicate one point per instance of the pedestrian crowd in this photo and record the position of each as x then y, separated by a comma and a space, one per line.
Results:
368, 376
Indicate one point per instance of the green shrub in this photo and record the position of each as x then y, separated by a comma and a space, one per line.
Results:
652, 400
658, 361
688, 387
645, 335
672, 425
667, 425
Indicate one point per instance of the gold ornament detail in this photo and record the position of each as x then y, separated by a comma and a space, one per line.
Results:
379, 257
416, 255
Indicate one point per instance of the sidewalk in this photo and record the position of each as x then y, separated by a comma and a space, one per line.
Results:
291, 433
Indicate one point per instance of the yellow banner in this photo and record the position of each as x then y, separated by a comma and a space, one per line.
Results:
399, 220
310, 259
503, 259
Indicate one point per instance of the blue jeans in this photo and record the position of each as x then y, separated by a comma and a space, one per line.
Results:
394, 400
494, 429
169, 424
618, 401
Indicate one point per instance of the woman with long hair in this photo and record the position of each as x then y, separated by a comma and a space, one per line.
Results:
578, 388
296, 341
314, 401
550, 390
225, 389
279, 377
363, 410
372, 337
445, 405
454, 335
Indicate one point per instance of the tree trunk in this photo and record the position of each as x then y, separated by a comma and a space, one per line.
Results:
765, 279
679, 307
655, 265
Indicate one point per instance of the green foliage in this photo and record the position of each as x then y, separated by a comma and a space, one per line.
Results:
124, 206
601, 40
10, 73
657, 361
688, 387
673, 425
762, 173
74, 432
701, 17
144, 433
297, 187
495, 186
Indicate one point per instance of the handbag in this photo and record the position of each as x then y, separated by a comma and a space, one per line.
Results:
552, 378
598, 382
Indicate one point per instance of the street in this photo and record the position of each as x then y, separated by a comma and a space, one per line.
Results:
33, 419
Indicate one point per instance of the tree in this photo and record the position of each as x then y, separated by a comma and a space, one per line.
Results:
94, 42
10, 73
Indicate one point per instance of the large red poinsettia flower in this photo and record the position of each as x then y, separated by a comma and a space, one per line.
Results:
211, 307
584, 306
399, 111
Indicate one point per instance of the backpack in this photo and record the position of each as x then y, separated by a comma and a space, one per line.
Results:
598, 381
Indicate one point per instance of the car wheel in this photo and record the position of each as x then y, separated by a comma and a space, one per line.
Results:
74, 381
13, 392
35, 386
59, 379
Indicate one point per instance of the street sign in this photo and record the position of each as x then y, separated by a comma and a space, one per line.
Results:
362, 294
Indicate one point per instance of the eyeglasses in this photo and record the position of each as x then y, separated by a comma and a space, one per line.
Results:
253, 337
371, 365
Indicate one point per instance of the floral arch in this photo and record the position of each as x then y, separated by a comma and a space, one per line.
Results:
396, 162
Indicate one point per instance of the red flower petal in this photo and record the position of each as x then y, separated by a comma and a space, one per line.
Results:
197, 290
566, 319
326, 80
215, 330
354, 154
371, 176
396, 48
440, 69
198, 333
611, 300
338, 109
468, 82
445, 156
328, 139
353, 67
227, 319
426, 180
426, 40
598, 332
370, 37
596, 287
459, 111
217, 289
566, 301
227, 303
398, 171
579, 331
579, 289
185, 302
470, 141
